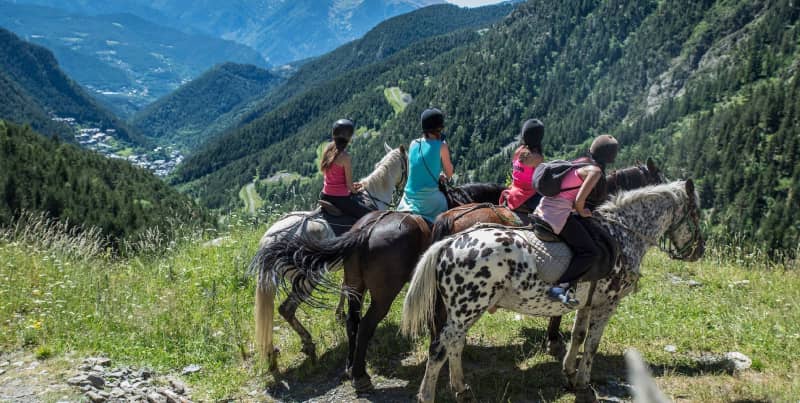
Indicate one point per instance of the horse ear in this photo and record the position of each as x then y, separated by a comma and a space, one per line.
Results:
651, 165
689, 187
387, 148
402, 149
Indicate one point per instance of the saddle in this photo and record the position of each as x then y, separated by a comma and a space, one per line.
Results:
339, 222
553, 256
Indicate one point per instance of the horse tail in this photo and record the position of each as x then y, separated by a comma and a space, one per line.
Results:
264, 311
419, 305
305, 261
442, 227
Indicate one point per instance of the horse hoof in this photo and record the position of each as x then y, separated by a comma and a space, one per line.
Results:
347, 374
363, 384
571, 382
465, 396
585, 395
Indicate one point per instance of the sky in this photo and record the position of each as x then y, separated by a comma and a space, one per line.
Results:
474, 3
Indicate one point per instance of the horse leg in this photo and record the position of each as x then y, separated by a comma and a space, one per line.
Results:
597, 324
454, 338
288, 310
353, 319
578, 336
366, 329
555, 343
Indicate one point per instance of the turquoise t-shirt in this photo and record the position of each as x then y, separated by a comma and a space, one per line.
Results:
422, 195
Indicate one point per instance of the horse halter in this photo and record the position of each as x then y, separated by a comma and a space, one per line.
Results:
691, 217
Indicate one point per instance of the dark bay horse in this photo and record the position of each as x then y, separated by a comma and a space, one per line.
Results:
460, 218
378, 253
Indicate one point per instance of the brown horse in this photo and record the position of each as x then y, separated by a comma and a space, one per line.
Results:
460, 218
379, 253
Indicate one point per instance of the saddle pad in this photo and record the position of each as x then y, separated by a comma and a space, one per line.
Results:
550, 258
339, 224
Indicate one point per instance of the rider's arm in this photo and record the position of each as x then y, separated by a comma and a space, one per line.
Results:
591, 175
447, 165
348, 173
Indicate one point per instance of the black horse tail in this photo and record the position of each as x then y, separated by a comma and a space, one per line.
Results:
442, 228
303, 262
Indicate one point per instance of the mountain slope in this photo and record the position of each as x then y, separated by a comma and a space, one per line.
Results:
202, 107
40, 89
42, 174
282, 31
140, 59
386, 39
664, 78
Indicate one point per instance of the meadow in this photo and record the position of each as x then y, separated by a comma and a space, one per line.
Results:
189, 301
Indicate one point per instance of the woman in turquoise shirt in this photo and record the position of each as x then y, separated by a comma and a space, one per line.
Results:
429, 164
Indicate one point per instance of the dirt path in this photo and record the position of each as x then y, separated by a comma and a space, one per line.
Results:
252, 201
25, 379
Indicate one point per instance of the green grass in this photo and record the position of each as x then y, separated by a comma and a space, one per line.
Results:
394, 95
193, 305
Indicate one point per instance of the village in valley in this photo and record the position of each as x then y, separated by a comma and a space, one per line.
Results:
161, 160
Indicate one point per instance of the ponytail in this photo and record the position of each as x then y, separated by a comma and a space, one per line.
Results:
332, 150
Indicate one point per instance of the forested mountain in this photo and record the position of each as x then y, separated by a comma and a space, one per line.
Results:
281, 30
122, 57
708, 88
33, 87
384, 40
205, 106
44, 174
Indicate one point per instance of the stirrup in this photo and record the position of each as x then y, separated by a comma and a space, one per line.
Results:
329, 208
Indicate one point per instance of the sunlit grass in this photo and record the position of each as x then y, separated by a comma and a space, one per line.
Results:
192, 304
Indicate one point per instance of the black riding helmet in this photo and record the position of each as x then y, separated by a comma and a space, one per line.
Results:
532, 133
432, 120
343, 128
604, 149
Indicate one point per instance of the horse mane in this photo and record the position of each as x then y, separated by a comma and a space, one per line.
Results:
380, 176
675, 190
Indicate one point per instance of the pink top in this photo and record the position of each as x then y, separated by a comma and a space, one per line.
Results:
555, 210
335, 182
521, 188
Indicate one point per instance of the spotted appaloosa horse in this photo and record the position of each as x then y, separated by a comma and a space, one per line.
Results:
389, 177
459, 278
378, 254
460, 218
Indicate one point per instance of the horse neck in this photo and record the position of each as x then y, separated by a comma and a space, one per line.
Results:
639, 224
381, 182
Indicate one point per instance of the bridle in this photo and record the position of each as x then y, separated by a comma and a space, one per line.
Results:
691, 217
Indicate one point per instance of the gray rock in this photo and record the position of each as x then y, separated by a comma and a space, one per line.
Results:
117, 393
96, 381
125, 385
736, 362
156, 398
190, 369
178, 386
2, 371
99, 369
145, 373
95, 397
172, 397
670, 348
4, 364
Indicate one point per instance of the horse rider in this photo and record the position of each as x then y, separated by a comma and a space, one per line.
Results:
521, 196
429, 168
337, 171
563, 212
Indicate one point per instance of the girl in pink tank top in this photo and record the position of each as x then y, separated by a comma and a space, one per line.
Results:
337, 172
526, 158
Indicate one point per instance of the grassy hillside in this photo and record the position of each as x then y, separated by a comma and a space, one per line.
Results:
194, 306
39, 174
205, 106
40, 87
648, 72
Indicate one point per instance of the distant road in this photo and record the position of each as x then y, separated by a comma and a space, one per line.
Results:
252, 201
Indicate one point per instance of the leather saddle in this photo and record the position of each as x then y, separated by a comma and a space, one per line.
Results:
611, 250
329, 208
